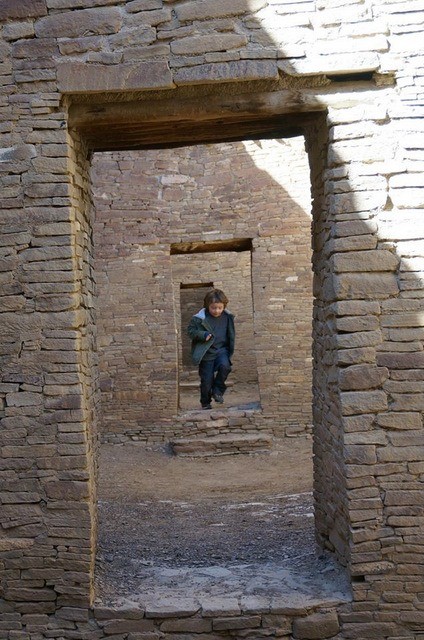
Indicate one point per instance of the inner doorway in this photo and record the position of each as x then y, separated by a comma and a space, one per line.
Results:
230, 264
235, 214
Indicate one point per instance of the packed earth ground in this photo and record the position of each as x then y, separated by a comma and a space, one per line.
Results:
222, 526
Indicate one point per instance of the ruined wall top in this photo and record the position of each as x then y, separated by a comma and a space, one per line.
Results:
84, 46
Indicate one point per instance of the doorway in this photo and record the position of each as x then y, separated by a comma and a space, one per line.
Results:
233, 214
179, 235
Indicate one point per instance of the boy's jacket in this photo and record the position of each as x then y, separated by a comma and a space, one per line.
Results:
199, 328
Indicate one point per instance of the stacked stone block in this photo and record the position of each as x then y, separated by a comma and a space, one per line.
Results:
61, 58
48, 489
198, 424
217, 617
361, 360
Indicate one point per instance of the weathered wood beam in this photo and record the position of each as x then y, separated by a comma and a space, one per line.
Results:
190, 108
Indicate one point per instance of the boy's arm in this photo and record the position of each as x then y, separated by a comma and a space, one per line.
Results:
196, 332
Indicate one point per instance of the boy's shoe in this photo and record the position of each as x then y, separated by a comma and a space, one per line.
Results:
217, 397
206, 406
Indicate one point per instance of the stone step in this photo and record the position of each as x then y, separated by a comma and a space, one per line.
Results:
220, 445
194, 384
220, 412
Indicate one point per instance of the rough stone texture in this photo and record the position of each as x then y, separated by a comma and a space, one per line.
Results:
221, 445
79, 23
316, 626
75, 77
236, 70
188, 11
197, 423
200, 44
349, 75
11, 10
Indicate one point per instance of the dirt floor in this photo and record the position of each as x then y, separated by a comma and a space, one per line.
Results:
222, 526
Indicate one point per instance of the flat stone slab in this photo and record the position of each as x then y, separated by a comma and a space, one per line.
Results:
194, 384
251, 588
222, 444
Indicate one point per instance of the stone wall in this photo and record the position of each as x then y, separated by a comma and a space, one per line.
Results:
80, 76
215, 618
150, 205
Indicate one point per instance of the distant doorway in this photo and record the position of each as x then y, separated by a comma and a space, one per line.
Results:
228, 266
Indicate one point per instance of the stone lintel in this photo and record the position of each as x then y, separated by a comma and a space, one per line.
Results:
343, 63
234, 71
77, 77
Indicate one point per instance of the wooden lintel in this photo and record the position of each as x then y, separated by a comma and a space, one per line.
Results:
200, 108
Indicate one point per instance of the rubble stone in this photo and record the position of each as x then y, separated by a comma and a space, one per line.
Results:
318, 625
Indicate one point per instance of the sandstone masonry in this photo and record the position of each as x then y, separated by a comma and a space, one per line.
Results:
150, 203
79, 76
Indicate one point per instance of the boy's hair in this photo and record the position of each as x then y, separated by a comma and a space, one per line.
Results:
216, 295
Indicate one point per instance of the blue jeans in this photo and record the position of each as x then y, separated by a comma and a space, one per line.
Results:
213, 374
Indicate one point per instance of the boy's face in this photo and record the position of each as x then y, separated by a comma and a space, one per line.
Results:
216, 309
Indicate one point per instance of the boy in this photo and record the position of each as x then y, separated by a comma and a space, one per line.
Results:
212, 345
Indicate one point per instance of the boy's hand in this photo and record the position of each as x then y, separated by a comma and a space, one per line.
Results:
208, 337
